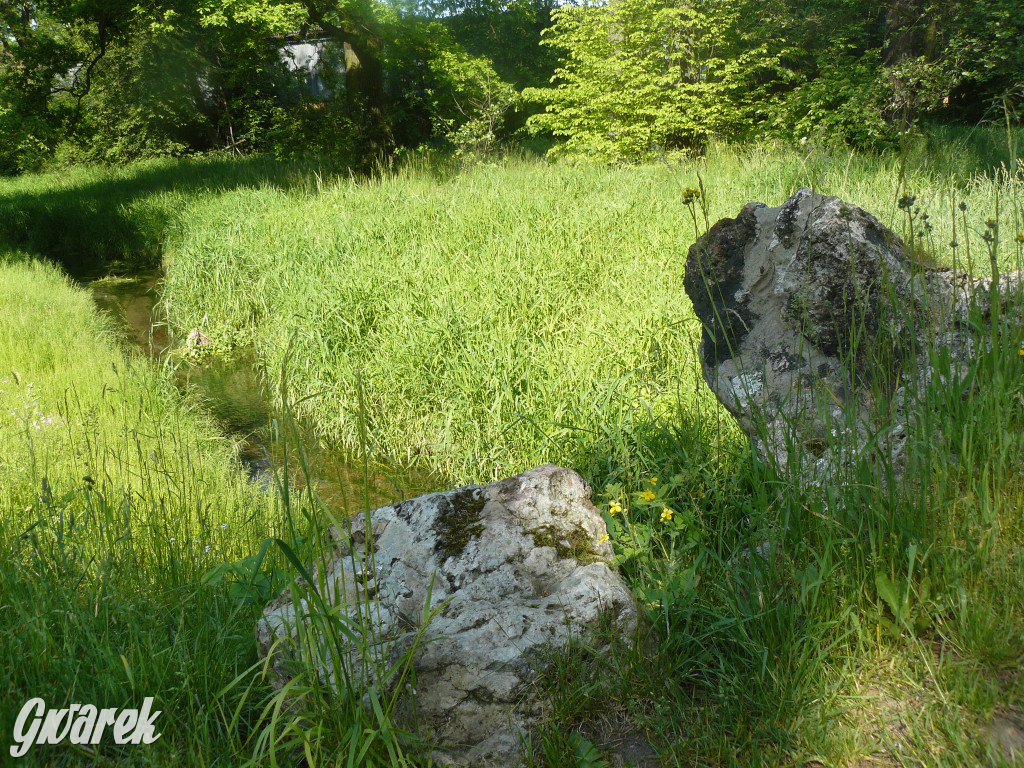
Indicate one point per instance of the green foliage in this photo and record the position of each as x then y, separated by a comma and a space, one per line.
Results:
623, 81
506, 31
985, 50
25, 141
844, 103
269, 16
469, 102
552, 747
639, 80
37, 53
643, 79
313, 128
143, 105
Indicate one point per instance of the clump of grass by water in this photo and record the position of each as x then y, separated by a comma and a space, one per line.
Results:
504, 316
117, 503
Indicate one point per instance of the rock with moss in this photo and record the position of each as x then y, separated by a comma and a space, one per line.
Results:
820, 333
515, 568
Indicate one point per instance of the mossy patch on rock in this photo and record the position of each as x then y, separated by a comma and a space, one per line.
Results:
575, 544
458, 521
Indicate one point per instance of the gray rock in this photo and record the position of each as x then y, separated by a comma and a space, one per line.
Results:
196, 339
811, 311
517, 568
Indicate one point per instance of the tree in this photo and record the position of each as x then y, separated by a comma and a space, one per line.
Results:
405, 77
984, 50
508, 32
470, 102
639, 79
49, 50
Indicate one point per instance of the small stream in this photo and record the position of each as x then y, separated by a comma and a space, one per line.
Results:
233, 392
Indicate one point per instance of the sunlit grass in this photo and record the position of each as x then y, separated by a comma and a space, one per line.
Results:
116, 502
507, 315
138, 556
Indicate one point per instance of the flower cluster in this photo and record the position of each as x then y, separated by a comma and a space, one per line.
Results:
662, 514
653, 497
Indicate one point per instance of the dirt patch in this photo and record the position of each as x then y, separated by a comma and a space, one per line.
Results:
621, 743
1006, 737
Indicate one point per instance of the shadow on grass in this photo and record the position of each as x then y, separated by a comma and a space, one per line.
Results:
93, 220
740, 632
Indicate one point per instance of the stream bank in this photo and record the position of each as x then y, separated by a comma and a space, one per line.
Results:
233, 390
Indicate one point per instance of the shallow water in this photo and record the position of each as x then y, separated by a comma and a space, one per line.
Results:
233, 392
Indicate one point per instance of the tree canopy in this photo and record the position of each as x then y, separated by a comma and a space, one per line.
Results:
639, 78
624, 80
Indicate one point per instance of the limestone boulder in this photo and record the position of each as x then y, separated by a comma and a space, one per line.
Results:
814, 318
514, 569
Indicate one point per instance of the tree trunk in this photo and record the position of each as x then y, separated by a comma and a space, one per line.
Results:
904, 40
903, 32
364, 72
364, 76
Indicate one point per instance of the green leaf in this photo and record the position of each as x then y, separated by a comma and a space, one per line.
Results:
887, 591
585, 753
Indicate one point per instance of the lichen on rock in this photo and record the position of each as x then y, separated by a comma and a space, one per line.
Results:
458, 521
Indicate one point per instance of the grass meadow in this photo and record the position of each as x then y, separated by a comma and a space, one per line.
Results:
116, 502
471, 323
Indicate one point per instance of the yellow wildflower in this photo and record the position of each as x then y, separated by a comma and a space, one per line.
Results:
603, 539
1021, 351
653, 481
666, 514
614, 508
647, 496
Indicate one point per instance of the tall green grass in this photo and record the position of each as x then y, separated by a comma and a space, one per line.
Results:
138, 557
507, 315
115, 503
92, 219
